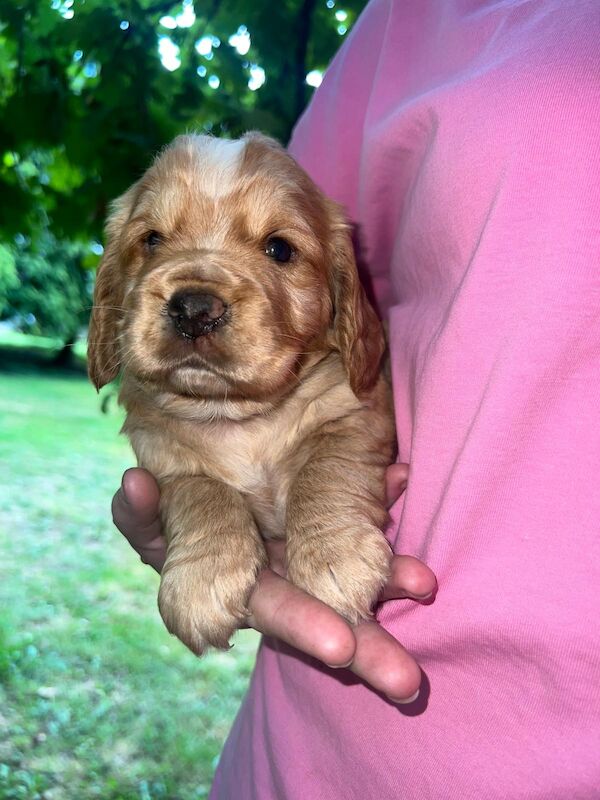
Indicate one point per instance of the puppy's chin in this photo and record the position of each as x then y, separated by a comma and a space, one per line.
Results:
203, 383
197, 381
263, 383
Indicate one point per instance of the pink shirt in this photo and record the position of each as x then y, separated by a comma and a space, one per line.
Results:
464, 137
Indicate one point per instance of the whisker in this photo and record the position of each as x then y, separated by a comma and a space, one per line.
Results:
287, 336
109, 308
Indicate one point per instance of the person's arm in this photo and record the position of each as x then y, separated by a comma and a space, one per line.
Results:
280, 609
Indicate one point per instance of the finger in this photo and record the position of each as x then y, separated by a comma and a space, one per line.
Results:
276, 554
396, 477
280, 609
135, 513
409, 578
383, 663
140, 495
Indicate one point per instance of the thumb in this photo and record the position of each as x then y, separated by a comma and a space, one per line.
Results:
396, 478
135, 513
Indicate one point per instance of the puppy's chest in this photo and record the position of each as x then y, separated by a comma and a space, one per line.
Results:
263, 459
260, 457
262, 468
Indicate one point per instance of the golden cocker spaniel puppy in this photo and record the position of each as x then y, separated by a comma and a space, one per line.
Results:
228, 296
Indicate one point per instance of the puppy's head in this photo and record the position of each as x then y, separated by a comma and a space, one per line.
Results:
224, 267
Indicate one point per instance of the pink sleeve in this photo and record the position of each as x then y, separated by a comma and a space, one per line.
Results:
463, 138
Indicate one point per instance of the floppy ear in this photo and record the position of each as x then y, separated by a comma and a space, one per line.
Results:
103, 355
357, 329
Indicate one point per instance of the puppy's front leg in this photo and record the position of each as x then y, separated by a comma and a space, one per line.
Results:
214, 556
335, 548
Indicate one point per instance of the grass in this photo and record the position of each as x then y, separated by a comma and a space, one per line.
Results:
96, 699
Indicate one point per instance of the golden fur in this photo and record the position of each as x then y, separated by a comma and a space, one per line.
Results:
278, 423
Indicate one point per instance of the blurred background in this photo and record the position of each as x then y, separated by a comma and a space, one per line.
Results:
96, 699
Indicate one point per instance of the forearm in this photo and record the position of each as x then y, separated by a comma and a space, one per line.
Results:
214, 555
336, 550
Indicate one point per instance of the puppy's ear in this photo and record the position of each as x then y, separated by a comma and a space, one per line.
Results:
103, 355
357, 330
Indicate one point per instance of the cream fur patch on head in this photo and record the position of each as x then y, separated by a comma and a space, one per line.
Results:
220, 161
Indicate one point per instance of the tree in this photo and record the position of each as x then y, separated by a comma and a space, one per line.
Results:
53, 291
90, 89
9, 279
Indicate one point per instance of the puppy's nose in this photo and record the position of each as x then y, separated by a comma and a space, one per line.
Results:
195, 314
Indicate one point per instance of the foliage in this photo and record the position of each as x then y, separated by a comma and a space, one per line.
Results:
85, 97
97, 700
8, 277
51, 293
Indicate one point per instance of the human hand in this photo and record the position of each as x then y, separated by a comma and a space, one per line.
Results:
280, 609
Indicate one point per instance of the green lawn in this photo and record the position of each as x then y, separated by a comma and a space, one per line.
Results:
96, 699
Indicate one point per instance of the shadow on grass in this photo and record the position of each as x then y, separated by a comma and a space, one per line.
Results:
19, 358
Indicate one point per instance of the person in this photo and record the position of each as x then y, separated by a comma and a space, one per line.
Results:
462, 137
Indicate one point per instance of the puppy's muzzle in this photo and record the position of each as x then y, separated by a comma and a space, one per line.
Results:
195, 314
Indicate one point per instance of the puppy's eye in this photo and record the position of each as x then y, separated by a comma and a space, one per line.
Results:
278, 249
152, 240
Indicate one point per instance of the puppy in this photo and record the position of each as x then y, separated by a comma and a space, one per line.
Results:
228, 296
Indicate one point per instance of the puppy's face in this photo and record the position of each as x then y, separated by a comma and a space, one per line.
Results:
224, 267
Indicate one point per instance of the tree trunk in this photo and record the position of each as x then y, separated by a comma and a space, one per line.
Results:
303, 27
64, 357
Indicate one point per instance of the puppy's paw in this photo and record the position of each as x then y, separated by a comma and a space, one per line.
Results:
345, 570
202, 604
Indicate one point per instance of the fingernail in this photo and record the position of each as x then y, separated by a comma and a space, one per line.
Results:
124, 492
339, 666
405, 700
124, 481
413, 596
